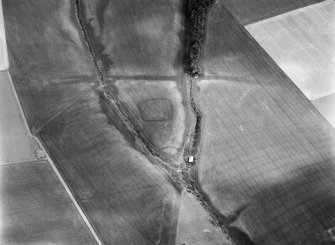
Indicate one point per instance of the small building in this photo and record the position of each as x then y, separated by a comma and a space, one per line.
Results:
190, 159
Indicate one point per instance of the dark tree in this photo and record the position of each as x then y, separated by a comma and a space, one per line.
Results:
195, 23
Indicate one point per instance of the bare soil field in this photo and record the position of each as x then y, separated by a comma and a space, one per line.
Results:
35, 208
267, 155
252, 11
136, 37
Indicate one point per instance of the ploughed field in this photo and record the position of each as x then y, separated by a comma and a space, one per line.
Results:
103, 87
35, 208
266, 158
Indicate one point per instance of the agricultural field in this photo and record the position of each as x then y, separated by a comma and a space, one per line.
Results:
116, 185
256, 165
248, 12
48, 60
126, 198
16, 145
136, 38
35, 208
300, 42
194, 226
3, 44
326, 108
266, 154
151, 154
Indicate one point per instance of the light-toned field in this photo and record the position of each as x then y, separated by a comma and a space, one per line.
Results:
252, 11
302, 43
3, 44
159, 108
267, 155
326, 106
136, 37
16, 145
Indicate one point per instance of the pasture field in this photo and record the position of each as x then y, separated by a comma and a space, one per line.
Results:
141, 37
267, 155
35, 208
248, 12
